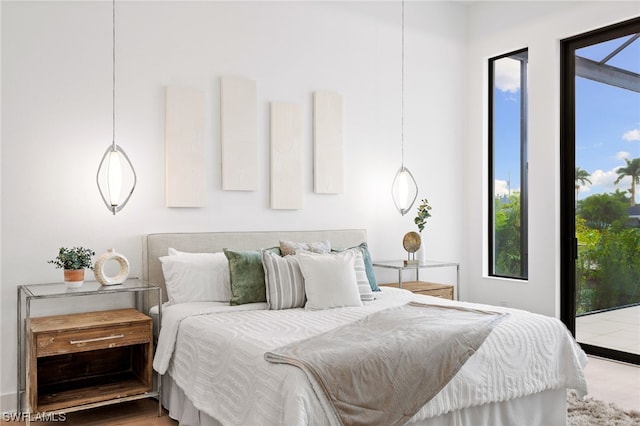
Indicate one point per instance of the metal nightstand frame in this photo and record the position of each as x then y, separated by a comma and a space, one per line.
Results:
400, 267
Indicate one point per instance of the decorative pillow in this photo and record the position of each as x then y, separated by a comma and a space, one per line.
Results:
247, 276
329, 280
366, 294
283, 280
368, 265
289, 248
174, 252
196, 277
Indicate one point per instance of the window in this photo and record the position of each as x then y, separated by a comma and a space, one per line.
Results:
508, 224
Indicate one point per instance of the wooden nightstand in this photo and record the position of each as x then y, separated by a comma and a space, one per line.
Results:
73, 362
430, 289
79, 359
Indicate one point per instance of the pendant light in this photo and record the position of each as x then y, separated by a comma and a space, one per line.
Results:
115, 167
404, 189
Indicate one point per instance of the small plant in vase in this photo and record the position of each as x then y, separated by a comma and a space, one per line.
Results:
74, 261
424, 213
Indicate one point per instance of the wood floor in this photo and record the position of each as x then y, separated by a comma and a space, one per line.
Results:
143, 412
608, 381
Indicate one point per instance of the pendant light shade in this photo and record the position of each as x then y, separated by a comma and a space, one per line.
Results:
404, 189
115, 171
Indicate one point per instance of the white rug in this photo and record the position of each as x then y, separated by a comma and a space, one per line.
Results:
590, 412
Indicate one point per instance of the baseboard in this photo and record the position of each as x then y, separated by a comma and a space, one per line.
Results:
8, 403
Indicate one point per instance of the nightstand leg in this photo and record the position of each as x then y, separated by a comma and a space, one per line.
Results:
158, 374
399, 278
457, 282
19, 402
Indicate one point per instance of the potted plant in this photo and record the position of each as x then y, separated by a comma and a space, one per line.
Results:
73, 261
424, 213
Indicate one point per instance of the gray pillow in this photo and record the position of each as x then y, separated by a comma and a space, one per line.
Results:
366, 294
289, 248
284, 281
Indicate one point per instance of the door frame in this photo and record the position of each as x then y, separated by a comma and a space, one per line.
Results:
568, 241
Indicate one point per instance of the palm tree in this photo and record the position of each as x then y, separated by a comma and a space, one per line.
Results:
633, 170
582, 178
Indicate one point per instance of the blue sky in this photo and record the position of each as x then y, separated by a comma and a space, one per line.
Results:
506, 131
607, 122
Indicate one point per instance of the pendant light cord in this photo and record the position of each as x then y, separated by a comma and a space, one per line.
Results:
402, 91
104, 176
113, 101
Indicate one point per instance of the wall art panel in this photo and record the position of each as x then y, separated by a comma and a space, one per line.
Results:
328, 170
239, 133
185, 149
286, 156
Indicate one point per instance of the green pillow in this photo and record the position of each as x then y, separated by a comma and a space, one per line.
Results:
247, 276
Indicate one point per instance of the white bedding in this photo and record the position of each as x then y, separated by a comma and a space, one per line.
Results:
216, 356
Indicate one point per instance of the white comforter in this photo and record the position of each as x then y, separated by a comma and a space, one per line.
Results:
215, 354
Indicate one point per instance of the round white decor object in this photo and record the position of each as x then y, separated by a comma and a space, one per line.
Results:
101, 275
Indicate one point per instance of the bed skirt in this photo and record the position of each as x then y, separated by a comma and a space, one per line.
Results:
547, 408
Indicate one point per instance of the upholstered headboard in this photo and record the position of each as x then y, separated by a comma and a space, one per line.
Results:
156, 245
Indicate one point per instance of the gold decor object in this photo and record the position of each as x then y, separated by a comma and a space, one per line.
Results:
101, 275
411, 243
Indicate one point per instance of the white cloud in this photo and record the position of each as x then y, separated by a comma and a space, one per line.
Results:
622, 155
507, 75
603, 178
632, 135
602, 181
584, 189
501, 188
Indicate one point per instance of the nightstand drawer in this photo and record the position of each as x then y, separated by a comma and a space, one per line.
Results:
445, 293
56, 343
429, 289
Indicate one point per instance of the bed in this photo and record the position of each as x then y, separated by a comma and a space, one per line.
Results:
212, 355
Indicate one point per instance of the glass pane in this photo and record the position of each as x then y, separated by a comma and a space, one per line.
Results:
607, 114
508, 163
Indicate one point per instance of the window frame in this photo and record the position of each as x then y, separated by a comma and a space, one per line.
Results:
524, 166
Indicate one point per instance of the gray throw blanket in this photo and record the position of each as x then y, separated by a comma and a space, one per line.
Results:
382, 369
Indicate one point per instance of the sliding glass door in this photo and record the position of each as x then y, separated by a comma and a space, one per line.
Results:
601, 185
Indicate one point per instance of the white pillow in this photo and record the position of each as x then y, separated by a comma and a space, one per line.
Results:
196, 277
174, 252
329, 280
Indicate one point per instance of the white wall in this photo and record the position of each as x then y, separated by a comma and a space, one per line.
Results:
56, 123
502, 27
